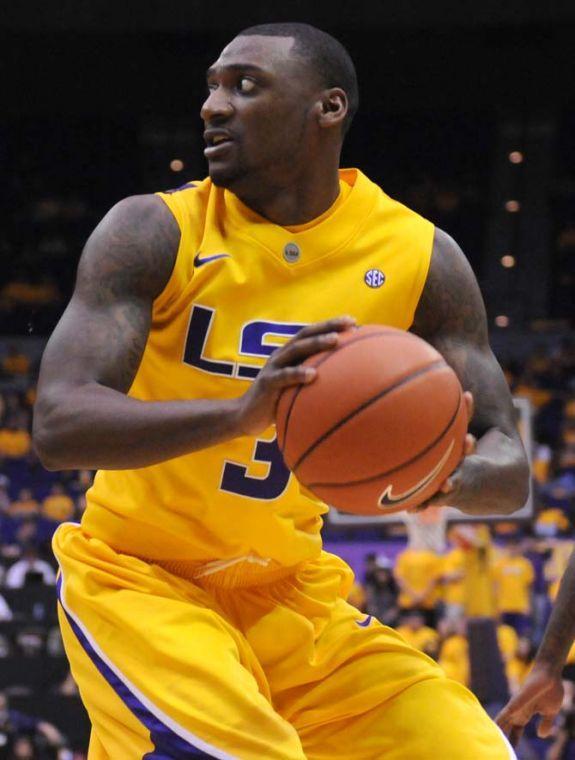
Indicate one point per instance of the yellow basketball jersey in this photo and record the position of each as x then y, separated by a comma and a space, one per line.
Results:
241, 286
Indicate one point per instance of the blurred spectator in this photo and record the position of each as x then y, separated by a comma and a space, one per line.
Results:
5, 611
417, 572
23, 749
508, 641
58, 506
541, 463
453, 578
4, 498
23, 291
479, 594
15, 441
556, 565
80, 482
15, 363
514, 576
356, 596
68, 687
551, 523
54, 643
416, 633
14, 723
538, 552
24, 505
80, 506
382, 591
29, 569
559, 492
454, 650
518, 667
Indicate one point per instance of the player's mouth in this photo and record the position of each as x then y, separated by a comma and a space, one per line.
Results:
218, 142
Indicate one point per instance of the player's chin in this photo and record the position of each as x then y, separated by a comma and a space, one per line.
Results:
223, 174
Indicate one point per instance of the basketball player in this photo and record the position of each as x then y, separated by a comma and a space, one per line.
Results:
200, 616
542, 691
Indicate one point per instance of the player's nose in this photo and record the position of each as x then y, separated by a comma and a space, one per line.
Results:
216, 107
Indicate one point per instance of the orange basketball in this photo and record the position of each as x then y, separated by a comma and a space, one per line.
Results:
380, 428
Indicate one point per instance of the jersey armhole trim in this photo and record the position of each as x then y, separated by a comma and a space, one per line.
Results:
421, 274
169, 290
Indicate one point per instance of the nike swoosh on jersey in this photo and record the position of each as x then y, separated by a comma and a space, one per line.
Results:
388, 498
364, 623
199, 261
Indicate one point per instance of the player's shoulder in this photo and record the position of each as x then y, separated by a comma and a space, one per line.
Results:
136, 214
191, 192
188, 203
136, 243
388, 204
198, 185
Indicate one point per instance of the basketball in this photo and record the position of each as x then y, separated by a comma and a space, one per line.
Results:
380, 428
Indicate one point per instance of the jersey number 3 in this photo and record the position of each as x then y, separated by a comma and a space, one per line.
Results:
257, 341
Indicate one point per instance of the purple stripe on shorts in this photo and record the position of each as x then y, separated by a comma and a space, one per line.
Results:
167, 744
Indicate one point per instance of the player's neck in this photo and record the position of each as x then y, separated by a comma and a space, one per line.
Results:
298, 203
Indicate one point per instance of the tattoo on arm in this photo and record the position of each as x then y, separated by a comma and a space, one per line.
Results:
125, 265
451, 316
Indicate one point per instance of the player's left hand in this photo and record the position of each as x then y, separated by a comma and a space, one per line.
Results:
542, 693
458, 487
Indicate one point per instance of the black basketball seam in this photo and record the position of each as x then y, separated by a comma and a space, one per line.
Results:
413, 459
323, 360
437, 364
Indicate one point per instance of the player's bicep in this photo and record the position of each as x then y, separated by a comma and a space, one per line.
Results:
97, 343
451, 316
125, 265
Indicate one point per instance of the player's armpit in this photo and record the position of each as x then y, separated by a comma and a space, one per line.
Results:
451, 316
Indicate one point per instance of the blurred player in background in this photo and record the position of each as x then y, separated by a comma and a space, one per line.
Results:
542, 691
200, 616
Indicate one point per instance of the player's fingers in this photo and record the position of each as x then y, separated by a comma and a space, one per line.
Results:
470, 404
470, 445
439, 499
545, 726
287, 376
294, 353
515, 735
446, 486
336, 324
502, 720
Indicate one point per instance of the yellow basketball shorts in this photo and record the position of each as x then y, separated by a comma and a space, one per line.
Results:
282, 670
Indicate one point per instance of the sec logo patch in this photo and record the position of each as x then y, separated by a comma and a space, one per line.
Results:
374, 278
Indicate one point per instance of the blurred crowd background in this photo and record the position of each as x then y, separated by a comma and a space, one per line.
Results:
467, 119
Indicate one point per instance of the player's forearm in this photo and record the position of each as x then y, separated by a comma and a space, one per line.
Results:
560, 632
498, 476
95, 427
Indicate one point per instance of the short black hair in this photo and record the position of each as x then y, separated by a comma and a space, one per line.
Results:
326, 55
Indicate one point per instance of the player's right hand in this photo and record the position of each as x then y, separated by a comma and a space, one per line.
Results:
542, 693
257, 407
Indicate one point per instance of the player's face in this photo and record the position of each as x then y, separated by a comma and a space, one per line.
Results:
258, 114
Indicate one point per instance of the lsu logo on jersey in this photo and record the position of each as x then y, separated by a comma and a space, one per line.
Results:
258, 339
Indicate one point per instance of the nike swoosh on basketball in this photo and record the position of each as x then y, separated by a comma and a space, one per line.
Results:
199, 261
388, 498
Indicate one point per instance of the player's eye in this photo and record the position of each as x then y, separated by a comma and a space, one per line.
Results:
246, 85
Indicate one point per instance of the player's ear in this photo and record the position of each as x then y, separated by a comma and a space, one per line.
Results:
333, 107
